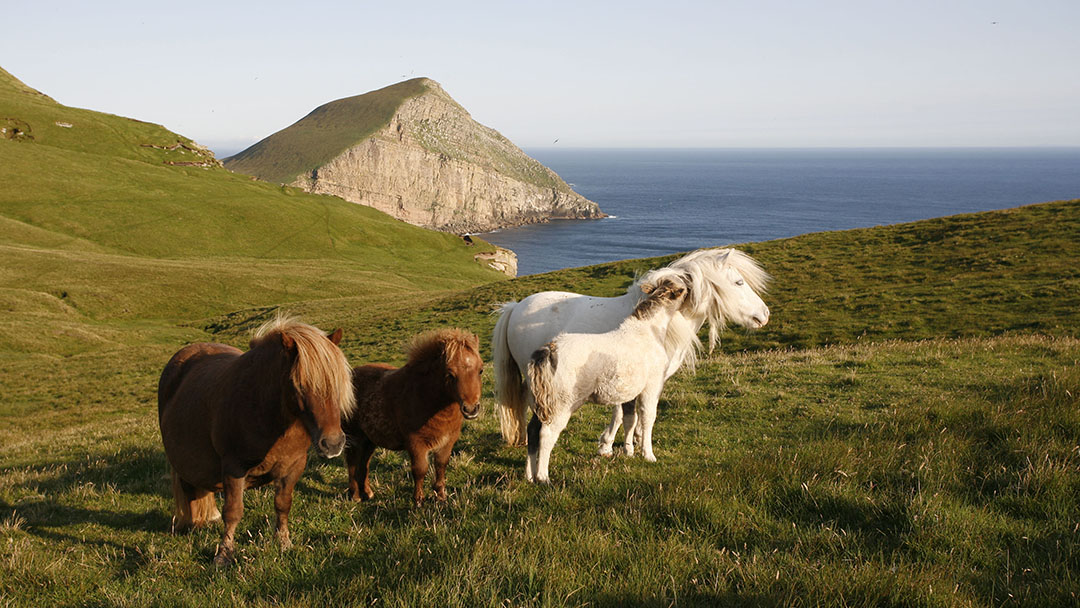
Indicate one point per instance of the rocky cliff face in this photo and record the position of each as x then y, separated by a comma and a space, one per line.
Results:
434, 166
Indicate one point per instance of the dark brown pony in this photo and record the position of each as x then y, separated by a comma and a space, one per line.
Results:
417, 408
232, 420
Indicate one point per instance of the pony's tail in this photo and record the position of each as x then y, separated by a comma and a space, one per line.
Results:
542, 380
510, 401
192, 509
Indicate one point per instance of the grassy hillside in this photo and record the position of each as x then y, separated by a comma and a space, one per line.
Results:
327, 131
904, 432
85, 208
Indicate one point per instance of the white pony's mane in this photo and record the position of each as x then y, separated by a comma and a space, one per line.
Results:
702, 272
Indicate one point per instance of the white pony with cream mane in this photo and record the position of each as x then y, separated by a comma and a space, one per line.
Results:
624, 365
723, 287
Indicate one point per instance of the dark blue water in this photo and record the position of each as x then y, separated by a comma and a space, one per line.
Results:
666, 201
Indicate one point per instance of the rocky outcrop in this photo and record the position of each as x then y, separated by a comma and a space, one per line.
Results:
502, 259
432, 165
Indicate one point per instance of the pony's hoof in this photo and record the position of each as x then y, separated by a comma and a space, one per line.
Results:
650, 458
285, 541
359, 496
605, 451
440, 495
223, 559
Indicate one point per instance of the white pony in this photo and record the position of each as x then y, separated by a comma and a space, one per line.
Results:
625, 364
723, 287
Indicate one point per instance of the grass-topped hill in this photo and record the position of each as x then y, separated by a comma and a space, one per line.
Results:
327, 131
96, 208
133, 187
438, 125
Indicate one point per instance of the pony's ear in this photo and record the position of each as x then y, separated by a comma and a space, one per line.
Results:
287, 341
336, 336
647, 288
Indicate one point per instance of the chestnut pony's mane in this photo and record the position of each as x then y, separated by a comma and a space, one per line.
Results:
432, 344
321, 368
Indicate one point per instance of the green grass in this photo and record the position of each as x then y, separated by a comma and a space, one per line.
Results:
905, 431
836, 457
887, 474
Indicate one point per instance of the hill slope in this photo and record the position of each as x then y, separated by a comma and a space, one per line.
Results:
894, 467
411, 151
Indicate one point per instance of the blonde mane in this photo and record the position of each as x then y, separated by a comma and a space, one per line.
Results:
321, 368
702, 273
441, 342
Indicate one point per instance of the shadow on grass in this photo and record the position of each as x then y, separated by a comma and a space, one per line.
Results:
71, 493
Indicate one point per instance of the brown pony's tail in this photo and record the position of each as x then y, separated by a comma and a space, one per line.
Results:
192, 509
542, 380
510, 401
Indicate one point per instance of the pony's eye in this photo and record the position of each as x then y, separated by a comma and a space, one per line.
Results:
740, 282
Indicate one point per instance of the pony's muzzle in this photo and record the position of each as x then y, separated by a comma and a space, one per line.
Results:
470, 411
760, 319
331, 446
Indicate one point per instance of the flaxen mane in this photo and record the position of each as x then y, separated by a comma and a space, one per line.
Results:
433, 344
320, 368
701, 272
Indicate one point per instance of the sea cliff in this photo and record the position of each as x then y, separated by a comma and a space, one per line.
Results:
429, 163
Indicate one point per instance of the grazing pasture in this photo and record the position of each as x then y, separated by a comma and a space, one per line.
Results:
905, 431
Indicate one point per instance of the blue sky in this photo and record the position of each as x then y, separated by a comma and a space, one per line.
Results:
589, 74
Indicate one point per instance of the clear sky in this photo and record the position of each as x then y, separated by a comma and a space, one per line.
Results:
588, 74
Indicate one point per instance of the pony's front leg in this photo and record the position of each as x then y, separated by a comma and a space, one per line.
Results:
442, 458
549, 434
419, 459
232, 511
283, 501
648, 418
358, 462
607, 438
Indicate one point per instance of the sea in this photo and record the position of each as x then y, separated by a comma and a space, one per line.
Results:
668, 201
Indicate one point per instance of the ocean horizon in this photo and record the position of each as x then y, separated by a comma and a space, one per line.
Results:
666, 201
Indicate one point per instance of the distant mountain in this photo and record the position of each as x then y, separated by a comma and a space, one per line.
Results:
411, 151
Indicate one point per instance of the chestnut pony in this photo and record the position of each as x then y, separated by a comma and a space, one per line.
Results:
232, 420
418, 408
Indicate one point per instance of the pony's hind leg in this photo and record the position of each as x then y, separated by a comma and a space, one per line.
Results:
549, 434
193, 507
533, 441
632, 424
607, 438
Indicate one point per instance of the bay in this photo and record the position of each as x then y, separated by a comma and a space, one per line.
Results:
668, 201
